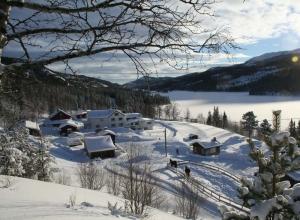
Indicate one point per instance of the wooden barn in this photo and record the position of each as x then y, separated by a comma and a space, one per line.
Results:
59, 115
68, 127
206, 147
33, 128
99, 146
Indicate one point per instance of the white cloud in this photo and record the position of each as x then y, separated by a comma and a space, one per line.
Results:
255, 20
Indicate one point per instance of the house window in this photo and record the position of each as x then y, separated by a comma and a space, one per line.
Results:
116, 114
213, 150
113, 125
121, 124
149, 122
113, 119
120, 119
97, 126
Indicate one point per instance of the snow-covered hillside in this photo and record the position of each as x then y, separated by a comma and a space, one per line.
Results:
35, 199
31, 199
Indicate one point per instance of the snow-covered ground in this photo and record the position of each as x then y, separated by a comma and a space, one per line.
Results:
235, 104
233, 157
31, 199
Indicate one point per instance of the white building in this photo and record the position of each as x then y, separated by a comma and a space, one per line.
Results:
112, 118
109, 118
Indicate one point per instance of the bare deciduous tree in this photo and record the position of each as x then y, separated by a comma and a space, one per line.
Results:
113, 181
138, 186
187, 201
159, 30
91, 176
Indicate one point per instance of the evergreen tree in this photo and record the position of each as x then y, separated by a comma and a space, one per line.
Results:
209, 119
187, 116
265, 127
216, 119
298, 129
43, 161
249, 122
292, 128
224, 120
267, 189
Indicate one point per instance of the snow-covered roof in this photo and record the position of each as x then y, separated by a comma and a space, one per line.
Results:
206, 143
106, 132
99, 143
73, 123
101, 113
295, 175
133, 115
57, 111
32, 125
147, 119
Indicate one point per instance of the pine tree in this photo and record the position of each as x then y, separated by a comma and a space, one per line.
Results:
292, 129
224, 120
216, 119
265, 127
267, 195
43, 161
209, 119
249, 122
187, 116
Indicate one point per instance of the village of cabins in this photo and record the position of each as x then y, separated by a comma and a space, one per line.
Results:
101, 142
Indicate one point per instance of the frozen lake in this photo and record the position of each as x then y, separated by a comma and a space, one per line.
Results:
235, 104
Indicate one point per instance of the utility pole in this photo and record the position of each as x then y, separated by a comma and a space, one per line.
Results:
166, 142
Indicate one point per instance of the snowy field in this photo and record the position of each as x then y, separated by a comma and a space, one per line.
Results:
40, 198
28, 199
235, 104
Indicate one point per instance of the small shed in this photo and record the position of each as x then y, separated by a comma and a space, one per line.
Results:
193, 136
99, 146
107, 132
68, 127
59, 115
81, 115
33, 128
206, 147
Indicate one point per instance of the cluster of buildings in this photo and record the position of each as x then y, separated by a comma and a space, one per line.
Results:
101, 143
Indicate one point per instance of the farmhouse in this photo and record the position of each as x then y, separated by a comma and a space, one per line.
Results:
99, 146
112, 118
33, 128
109, 118
206, 147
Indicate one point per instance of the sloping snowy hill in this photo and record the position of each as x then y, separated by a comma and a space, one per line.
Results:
30, 199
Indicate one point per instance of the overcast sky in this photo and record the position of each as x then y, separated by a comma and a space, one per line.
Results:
258, 26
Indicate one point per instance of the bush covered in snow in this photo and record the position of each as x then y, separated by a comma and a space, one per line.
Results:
20, 156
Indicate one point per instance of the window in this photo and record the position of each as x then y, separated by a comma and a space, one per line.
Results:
97, 126
149, 122
121, 124
113, 125
120, 119
112, 119
213, 150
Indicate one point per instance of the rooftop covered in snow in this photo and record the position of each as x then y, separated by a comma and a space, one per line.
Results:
101, 113
99, 144
206, 143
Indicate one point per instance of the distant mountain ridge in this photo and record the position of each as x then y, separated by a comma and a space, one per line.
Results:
40, 90
271, 73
